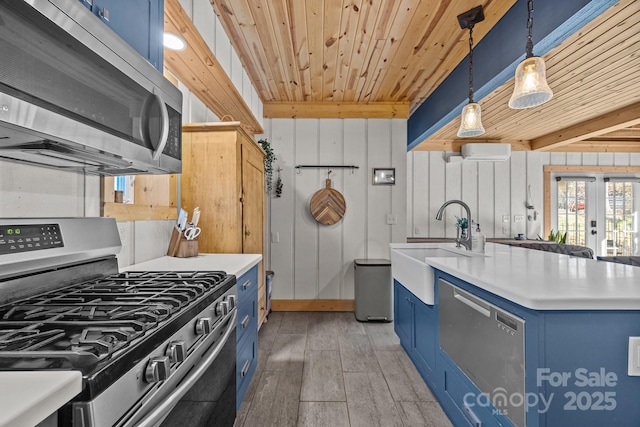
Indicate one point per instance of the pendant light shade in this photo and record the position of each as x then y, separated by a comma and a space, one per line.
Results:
471, 121
531, 88
471, 117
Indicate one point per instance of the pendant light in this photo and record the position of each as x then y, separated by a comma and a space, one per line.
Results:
471, 117
531, 88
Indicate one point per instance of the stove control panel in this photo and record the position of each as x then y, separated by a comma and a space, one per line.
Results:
29, 237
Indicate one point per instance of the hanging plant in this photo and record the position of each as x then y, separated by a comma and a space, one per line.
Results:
279, 184
269, 158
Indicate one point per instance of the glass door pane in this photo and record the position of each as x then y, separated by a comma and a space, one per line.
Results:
571, 210
620, 218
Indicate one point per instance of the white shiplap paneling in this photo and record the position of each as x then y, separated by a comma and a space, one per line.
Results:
314, 261
306, 229
501, 189
354, 236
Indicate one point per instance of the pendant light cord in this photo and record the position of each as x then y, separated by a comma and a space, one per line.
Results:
471, 63
529, 47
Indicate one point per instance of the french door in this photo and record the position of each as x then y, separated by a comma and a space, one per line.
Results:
599, 211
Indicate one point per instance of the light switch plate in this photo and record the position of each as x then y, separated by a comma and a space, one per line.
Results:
634, 356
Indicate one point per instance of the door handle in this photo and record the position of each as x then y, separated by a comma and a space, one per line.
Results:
594, 232
476, 306
164, 117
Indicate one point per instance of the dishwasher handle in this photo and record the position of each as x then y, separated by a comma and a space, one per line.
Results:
469, 301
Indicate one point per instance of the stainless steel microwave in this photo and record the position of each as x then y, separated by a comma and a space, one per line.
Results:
75, 96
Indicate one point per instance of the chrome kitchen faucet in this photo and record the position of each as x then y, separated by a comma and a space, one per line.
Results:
466, 242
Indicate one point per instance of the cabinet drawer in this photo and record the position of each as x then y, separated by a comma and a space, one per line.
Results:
247, 318
246, 362
469, 407
248, 284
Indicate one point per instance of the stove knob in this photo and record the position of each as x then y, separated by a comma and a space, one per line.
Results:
222, 308
203, 326
158, 369
232, 301
177, 351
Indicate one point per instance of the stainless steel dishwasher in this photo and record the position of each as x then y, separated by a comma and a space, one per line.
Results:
487, 343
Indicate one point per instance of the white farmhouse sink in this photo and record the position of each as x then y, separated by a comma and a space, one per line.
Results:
408, 266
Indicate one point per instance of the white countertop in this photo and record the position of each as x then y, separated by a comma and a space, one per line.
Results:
236, 264
542, 280
29, 397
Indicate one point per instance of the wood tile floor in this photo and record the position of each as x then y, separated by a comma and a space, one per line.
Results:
328, 369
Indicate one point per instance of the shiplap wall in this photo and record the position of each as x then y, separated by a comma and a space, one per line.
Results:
314, 261
491, 189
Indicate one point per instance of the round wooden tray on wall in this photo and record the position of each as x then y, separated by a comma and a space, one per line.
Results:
328, 205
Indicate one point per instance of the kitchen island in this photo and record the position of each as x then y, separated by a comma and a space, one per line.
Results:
521, 337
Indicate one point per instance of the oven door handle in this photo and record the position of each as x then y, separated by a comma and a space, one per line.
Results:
171, 400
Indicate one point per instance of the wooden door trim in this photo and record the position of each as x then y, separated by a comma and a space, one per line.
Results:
549, 169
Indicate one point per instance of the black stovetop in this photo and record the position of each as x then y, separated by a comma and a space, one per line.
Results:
96, 325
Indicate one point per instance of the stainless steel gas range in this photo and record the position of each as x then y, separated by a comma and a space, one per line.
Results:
142, 340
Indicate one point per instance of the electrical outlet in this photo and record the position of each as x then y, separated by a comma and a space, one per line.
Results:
505, 218
505, 231
416, 231
392, 219
518, 218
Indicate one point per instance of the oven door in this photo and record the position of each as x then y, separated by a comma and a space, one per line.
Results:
207, 392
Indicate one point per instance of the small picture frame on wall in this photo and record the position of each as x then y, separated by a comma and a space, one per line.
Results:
384, 176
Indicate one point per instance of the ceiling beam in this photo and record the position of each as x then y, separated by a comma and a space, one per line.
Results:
613, 121
342, 110
456, 144
199, 70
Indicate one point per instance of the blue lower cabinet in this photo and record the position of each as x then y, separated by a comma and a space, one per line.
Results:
414, 323
403, 316
247, 317
246, 332
424, 337
246, 362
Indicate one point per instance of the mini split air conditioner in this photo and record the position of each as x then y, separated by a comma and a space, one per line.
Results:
488, 152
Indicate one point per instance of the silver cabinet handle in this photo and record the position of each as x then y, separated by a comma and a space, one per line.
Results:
245, 368
245, 321
246, 284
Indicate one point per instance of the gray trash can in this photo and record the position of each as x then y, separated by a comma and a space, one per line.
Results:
373, 290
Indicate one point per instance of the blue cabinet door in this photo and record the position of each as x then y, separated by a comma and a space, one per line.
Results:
424, 337
247, 331
139, 22
403, 315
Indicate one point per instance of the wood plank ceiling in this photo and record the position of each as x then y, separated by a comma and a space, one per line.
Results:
306, 52
353, 58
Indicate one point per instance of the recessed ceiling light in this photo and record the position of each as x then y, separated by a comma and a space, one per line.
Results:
174, 42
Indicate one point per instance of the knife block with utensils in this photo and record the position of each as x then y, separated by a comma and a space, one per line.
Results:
180, 246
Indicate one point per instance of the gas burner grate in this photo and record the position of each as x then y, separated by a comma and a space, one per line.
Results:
85, 324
